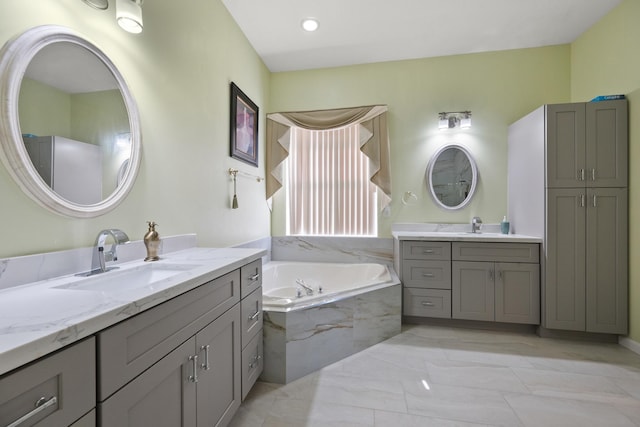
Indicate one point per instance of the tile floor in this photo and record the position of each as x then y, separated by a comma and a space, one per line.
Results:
439, 376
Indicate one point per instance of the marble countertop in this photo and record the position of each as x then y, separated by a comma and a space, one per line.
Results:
464, 237
39, 318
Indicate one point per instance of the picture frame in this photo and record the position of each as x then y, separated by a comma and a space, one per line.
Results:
243, 127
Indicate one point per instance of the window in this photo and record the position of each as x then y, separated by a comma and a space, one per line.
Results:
328, 190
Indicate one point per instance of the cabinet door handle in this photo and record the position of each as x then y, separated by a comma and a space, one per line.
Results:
499, 274
580, 174
427, 304
582, 200
595, 201
194, 360
593, 174
254, 277
254, 316
41, 404
254, 361
205, 365
491, 275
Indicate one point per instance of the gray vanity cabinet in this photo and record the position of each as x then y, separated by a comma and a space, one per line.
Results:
506, 289
425, 272
568, 178
57, 390
177, 364
587, 260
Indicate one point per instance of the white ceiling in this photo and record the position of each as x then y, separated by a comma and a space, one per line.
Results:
367, 31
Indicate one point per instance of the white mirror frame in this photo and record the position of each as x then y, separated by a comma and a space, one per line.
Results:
15, 57
474, 176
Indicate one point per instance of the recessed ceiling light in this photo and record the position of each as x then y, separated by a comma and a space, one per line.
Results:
310, 24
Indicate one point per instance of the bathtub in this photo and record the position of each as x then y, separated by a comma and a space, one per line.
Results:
283, 283
350, 307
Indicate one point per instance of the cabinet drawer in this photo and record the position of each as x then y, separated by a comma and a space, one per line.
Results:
426, 274
498, 252
251, 308
427, 302
426, 250
130, 347
63, 383
252, 363
250, 277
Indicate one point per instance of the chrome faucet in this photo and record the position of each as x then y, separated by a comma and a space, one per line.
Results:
306, 287
100, 256
476, 224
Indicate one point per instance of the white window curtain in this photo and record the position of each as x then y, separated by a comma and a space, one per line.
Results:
327, 184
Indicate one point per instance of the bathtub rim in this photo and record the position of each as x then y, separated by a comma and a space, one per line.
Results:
394, 280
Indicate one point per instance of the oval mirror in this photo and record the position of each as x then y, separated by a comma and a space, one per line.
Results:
452, 176
69, 125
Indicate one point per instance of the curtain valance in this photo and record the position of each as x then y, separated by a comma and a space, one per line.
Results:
374, 141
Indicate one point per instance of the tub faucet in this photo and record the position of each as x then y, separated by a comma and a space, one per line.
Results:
100, 256
476, 224
306, 287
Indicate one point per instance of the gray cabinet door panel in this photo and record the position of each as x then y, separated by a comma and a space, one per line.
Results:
566, 152
251, 308
426, 274
607, 144
68, 376
565, 251
426, 302
219, 388
517, 293
472, 290
426, 250
251, 277
128, 348
163, 396
607, 275
495, 252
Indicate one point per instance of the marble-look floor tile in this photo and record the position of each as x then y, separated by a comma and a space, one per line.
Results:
536, 411
386, 419
472, 375
302, 413
572, 386
460, 404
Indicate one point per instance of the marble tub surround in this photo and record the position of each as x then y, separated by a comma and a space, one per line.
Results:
44, 316
332, 249
456, 232
16, 271
297, 343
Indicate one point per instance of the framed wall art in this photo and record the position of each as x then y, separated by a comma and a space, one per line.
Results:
243, 127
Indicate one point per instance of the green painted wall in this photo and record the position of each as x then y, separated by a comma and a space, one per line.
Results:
179, 70
604, 61
498, 87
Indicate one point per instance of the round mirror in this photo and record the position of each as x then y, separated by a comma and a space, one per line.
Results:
452, 176
69, 125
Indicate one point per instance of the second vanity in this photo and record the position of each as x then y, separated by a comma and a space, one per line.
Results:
182, 346
452, 273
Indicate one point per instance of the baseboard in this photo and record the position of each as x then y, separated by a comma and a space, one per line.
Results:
630, 344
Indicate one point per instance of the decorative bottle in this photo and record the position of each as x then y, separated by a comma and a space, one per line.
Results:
504, 226
152, 242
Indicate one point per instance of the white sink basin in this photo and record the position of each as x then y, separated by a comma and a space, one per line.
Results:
144, 276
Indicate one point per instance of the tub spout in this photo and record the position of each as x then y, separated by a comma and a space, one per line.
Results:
306, 287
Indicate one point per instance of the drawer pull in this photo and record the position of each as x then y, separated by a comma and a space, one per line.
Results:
254, 277
427, 304
41, 405
254, 316
205, 365
427, 251
427, 275
254, 361
194, 360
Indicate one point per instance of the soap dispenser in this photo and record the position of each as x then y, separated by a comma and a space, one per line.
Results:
152, 242
504, 226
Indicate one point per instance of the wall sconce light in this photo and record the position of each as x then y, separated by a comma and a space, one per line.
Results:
129, 15
451, 119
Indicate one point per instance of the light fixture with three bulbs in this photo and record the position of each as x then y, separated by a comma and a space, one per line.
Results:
451, 119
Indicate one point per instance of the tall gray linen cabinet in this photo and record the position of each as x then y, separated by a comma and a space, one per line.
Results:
567, 183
